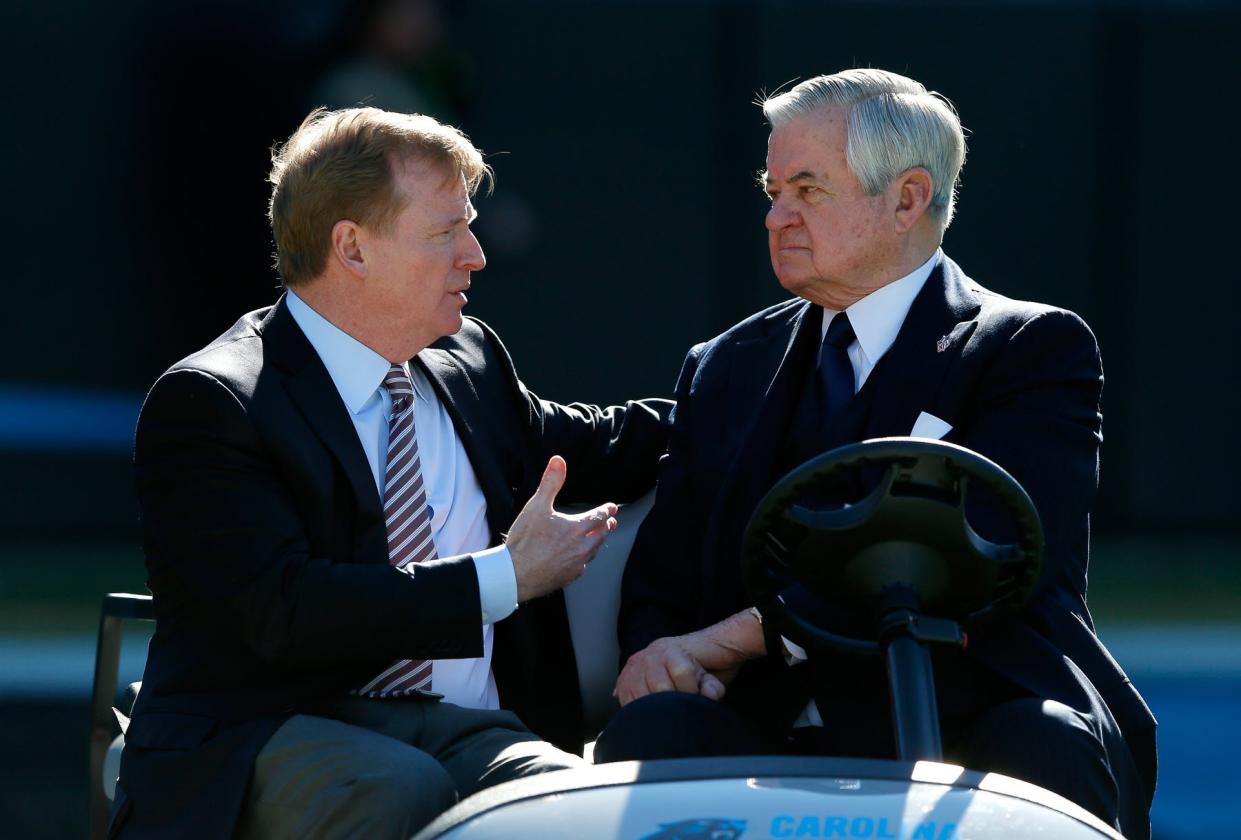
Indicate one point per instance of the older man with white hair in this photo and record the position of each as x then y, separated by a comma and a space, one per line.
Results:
886, 336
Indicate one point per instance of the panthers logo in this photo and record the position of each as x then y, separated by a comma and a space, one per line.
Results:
707, 828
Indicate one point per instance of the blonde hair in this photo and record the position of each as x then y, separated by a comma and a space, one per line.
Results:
894, 122
341, 165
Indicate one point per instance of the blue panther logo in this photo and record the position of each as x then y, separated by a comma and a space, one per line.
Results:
705, 828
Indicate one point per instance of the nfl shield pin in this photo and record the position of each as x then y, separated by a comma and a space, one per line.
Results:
941, 345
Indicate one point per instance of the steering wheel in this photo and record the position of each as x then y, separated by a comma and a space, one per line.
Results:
905, 542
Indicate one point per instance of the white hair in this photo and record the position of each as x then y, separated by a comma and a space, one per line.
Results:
894, 123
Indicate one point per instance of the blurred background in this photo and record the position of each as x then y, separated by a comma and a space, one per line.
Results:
625, 226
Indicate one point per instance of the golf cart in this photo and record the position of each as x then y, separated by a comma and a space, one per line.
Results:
902, 549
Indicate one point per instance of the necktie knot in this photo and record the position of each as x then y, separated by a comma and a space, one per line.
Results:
400, 388
840, 332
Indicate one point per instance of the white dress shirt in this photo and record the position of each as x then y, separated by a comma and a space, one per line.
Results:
457, 506
877, 318
876, 321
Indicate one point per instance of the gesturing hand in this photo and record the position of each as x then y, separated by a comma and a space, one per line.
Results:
549, 549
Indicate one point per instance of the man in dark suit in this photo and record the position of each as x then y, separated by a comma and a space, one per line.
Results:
324, 492
887, 337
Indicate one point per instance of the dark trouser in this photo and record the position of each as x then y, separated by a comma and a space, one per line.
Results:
1038, 741
384, 768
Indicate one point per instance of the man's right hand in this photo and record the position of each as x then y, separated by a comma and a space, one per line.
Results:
549, 549
666, 664
703, 662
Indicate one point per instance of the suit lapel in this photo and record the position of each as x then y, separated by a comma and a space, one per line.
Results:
770, 372
460, 398
906, 381
910, 376
311, 388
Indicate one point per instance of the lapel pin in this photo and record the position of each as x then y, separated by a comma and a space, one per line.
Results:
942, 344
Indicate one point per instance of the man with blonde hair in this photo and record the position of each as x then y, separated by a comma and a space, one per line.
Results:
886, 337
331, 496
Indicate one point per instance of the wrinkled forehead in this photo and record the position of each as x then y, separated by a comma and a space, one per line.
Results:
813, 142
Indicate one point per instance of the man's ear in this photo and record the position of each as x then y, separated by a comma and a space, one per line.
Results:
914, 191
347, 250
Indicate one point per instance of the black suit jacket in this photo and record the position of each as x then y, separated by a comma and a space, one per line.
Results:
268, 559
1019, 382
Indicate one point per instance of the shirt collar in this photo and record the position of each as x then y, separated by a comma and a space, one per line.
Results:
877, 318
357, 371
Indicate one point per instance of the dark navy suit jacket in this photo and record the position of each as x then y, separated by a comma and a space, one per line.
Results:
268, 559
1019, 382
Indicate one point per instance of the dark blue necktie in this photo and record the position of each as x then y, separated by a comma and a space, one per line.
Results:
835, 370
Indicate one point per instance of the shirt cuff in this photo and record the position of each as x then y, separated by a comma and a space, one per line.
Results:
809, 717
793, 652
497, 583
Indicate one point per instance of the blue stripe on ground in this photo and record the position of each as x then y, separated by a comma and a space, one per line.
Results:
45, 419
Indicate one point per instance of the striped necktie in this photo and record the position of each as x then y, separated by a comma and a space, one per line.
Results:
408, 520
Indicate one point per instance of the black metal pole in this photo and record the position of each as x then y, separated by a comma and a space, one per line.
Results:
915, 713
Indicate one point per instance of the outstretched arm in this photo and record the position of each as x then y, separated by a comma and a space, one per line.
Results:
612, 452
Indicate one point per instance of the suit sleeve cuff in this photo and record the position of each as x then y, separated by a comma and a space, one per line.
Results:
497, 583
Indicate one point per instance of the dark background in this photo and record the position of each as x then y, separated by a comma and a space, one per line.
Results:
625, 226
